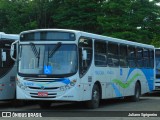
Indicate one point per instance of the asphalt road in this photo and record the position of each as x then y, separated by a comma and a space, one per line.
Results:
113, 109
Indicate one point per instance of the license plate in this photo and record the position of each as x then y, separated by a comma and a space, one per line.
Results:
42, 94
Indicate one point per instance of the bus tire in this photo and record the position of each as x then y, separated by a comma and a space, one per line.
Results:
45, 104
137, 93
95, 98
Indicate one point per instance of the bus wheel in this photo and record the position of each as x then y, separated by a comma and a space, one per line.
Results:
137, 93
45, 104
94, 102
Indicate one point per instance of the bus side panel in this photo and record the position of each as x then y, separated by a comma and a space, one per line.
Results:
124, 83
87, 84
149, 76
114, 78
7, 85
102, 74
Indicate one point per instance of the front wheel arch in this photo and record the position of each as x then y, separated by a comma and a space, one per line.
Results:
95, 97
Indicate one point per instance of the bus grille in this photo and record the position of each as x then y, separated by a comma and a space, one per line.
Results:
45, 88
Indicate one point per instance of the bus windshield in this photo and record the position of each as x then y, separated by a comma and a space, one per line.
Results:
63, 61
157, 54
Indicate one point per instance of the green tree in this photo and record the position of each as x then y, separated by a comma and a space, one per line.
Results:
78, 14
132, 20
135, 20
20, 15
16, 16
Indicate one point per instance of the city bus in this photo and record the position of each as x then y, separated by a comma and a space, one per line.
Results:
8, 67
157, 67
71, 65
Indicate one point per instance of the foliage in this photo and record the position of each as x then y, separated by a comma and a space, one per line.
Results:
132, 20
135, 20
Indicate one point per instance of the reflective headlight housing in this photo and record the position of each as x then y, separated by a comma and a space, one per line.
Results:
19, 84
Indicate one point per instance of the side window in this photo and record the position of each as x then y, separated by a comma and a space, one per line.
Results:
6, 63
123, 56
151, 59
85, 54
131, 57
100, 53
139, 52
113, 57
146, 58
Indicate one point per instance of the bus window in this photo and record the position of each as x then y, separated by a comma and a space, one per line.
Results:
100, 53
7, 63
85, 44
146, 58
113, 57
151, 59
131, 57
123, 56
139, 52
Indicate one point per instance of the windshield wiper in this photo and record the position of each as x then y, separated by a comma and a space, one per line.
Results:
36, 53
34, 49
51, 53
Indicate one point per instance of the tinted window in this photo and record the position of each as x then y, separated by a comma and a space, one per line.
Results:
100, 53
123, 56
113, 57
5, 64
151, 58
146, 58
139, 52
131, 57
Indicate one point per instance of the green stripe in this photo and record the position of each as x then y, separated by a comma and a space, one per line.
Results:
125, 85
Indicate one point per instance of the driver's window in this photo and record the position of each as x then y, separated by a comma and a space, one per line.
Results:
85, 44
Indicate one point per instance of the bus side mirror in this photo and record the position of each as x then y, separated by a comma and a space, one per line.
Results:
4, 57
12, 50
84, 54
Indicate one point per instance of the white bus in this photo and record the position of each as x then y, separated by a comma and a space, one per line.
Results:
8, 68
70, 65
157, 66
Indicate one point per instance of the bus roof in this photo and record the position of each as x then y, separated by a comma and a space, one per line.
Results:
94, 36
9, 36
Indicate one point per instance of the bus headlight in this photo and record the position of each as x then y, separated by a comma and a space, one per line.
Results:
73, 82
19, 84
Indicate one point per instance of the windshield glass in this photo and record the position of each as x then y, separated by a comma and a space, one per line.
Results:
63, 61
